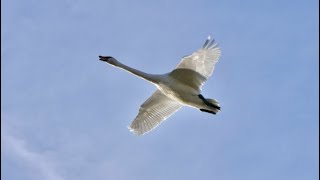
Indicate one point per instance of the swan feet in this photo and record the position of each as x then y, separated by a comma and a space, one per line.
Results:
204, 110
207, 102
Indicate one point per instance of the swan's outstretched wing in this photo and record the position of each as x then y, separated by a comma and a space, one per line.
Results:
203, 60
152, 112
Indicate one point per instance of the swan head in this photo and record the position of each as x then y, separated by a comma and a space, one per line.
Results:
109, 59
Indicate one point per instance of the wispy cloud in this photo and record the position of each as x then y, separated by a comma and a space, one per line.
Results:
40, 163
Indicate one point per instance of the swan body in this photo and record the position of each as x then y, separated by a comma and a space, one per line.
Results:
180, 87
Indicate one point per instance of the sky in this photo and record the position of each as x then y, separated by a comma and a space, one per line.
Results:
64, 113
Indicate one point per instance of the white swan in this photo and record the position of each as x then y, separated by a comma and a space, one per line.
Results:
179, 87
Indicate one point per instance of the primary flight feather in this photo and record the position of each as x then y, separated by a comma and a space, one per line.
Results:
180, 87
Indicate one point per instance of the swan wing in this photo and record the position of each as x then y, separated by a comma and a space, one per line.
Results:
202, 61
152, 112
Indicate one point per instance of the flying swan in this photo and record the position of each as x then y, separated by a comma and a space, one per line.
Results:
175, 89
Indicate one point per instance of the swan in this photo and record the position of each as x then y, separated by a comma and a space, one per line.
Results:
180, 87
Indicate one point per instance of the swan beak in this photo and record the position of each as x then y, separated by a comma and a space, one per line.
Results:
104, 58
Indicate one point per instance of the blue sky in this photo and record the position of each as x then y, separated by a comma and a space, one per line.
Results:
64, 113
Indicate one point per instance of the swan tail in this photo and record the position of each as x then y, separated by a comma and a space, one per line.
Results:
215, 104
212, 103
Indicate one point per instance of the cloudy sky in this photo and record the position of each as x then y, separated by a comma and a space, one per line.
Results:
64, 113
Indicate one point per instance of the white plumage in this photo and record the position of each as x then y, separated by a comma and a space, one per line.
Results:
180, 87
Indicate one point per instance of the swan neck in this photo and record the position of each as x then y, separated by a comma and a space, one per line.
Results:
149, 77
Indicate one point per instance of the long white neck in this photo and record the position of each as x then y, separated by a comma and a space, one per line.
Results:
149, 77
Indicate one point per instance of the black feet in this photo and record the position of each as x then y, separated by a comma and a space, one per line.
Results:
201, 97
204, 110
208, 103
217, 107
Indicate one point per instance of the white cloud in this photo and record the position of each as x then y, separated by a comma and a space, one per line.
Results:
36, 162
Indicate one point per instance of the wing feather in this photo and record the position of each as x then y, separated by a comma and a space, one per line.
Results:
157, 108
202, 61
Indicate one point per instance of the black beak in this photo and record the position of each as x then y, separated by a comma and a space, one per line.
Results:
104, 58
